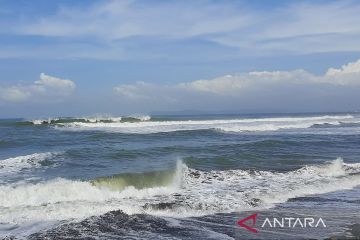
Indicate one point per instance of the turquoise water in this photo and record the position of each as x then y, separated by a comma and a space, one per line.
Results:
64, 170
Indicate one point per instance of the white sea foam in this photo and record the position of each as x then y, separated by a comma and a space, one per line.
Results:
235, 190
61, 199
43, 121
141, 117
226, 125
193, 192
102, 118
16, 164
92, 119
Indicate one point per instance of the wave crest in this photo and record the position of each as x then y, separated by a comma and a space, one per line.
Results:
16, 164
136, 180
224, 125
96, 119
183, 192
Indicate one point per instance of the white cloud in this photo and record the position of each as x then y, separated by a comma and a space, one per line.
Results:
258, 91
295, 27
300, 27
132, 91
233, 85
14, 94
350, 68
348, 74
46, 87
218, 85
113, 20
62, 85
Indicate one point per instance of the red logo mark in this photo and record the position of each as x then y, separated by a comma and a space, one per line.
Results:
251, 217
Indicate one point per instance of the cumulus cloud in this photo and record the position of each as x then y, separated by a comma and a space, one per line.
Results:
46, 87
233, 84
14, 94
218, 85
348, 74
54, 82
257, 88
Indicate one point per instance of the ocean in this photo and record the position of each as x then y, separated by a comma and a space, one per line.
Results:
180, 177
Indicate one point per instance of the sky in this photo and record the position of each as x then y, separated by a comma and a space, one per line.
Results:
83, 58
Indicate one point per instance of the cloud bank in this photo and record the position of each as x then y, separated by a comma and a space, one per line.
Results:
337, 89
252, 90
46, 88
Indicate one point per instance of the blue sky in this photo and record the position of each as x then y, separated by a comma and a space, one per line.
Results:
122, 57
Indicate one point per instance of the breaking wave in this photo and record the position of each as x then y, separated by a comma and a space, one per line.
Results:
97, 119
16, 164
224, 125
137, 180
181, 192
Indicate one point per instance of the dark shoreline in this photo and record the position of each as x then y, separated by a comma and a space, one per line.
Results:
342, 223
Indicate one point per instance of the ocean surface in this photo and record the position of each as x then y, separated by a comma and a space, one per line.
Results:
178, 177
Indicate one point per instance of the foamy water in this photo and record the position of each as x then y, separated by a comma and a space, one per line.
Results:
193, 193
65, 170
16, 164
228, 125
